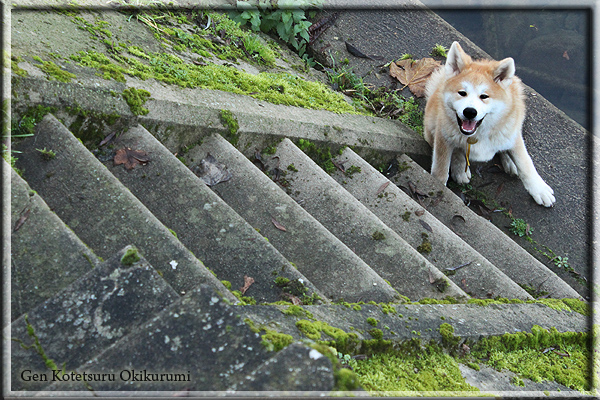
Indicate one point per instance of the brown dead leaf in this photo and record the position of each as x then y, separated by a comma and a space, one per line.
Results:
420, 213
431, 278
130, 158
414, 74
425, 225
382, 188
278, 225
22, 219
247, 283
294, 299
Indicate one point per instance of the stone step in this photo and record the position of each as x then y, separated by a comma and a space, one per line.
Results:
478, 277
79, 322
318, 254
483, 236
358, 228
46, 256
100, 210
203, 222
202, 343
413, 321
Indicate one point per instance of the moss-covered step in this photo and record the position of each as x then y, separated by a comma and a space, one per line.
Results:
100, 210
482, 235
318, 254
205, 224
84, 319
372, 328
436, 242
359, 229
200, 344
45, 255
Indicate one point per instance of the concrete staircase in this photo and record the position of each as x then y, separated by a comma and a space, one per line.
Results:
181, 254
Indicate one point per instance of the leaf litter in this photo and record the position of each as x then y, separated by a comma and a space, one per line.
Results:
212, 171
130, 158
414, 73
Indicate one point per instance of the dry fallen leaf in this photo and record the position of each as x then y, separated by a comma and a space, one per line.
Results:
278, 225
382, 188
419, 213
414, 74
22, 219
130, 158
211, 171
247, 283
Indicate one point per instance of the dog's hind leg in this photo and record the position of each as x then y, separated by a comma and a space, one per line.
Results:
508, 164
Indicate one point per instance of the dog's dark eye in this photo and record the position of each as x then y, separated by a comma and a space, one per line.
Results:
483, 96
462, 93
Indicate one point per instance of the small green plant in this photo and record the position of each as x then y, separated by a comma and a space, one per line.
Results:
47, 154
562, 262
520, 228
439, 50
406, 56
286, 18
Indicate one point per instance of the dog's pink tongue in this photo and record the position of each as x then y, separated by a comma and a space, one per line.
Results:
468, 126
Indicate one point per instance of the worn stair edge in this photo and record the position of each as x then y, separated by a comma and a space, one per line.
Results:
319, 255
87, 317
200, 337
485, 237
176, 115
103, 212
46, 255
396, 209
358, 228
418, 321
203, 222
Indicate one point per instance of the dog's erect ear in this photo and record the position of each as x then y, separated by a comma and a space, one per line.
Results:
457, 59
505, 71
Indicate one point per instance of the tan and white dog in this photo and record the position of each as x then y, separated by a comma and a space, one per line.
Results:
474, 110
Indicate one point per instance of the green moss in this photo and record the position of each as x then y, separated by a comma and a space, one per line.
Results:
25, 126
425, 246
448, 338
372, 321
227, 284
320, 155
276, 341
406, 216
376, 333
541, 355
411, 370
378, 235
54, 71
130, 257
37, 346
244, 300
230, 122
14, 66
298, 311
292, 168
281, 281
136, 98
346, 380
352, 170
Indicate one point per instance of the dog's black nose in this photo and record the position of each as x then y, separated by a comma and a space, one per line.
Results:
470, 112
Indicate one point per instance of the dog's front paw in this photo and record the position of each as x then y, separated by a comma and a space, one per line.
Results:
541, 193
460, 176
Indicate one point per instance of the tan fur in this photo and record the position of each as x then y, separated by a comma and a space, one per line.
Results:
456, 90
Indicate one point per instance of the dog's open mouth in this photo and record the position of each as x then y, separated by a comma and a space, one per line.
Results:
468, 126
